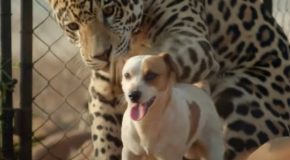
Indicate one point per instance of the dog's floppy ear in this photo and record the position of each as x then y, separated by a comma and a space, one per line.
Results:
170, 63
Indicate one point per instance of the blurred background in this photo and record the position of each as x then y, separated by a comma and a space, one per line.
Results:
60, 121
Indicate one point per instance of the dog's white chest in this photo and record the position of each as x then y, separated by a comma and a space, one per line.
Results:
130, 136
138, 140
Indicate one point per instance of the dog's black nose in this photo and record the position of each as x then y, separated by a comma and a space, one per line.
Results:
135, 96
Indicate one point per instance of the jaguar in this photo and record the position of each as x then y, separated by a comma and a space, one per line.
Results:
236, 46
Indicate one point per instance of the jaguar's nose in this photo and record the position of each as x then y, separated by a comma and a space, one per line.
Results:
103, 56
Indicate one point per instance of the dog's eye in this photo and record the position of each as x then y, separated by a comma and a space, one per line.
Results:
150, 76
127, 76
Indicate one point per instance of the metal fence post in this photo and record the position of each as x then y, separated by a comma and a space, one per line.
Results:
26, 81
6, 83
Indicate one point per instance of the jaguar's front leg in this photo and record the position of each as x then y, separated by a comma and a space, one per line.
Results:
106, 109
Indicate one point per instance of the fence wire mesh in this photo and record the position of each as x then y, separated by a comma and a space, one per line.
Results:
60, 126
60, 80
281, 11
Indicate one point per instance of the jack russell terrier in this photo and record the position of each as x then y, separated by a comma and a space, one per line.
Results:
166, 120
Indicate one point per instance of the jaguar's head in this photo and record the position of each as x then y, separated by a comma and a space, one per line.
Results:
101, 28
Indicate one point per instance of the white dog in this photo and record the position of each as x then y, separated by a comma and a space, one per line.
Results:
166, 120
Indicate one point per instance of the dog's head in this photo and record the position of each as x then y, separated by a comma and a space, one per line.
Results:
145, 79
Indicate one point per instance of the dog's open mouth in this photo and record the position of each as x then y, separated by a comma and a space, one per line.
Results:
138, 111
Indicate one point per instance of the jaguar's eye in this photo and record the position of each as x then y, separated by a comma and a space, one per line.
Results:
73, 26
108, 11
149, 76
127, 76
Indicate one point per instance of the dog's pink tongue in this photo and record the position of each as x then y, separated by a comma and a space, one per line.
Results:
138, 111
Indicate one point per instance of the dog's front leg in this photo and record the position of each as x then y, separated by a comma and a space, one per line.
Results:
128, 155
214, 144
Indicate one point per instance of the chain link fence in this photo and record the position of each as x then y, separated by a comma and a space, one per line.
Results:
60, 125
281, 11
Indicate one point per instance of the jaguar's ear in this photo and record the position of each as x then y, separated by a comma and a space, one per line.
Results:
170, 63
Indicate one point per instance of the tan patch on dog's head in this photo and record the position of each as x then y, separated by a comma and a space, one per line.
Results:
157, 72
194, 117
